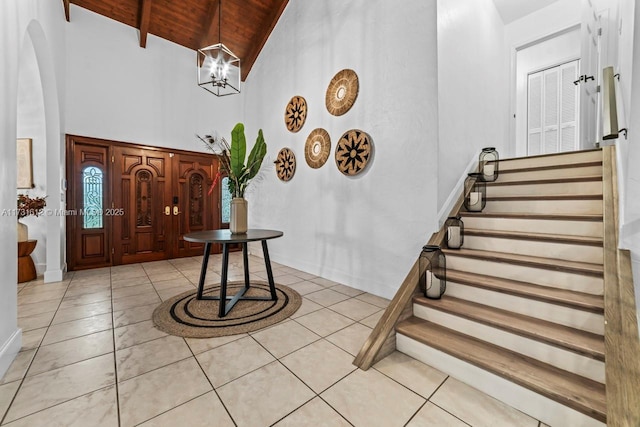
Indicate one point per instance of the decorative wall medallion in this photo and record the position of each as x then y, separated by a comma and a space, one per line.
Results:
295, 113
342, 92
285, 164
317, 148
353, 152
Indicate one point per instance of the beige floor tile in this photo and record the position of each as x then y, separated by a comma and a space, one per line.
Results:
40, 296
355, 309
18, 367
374, 299
132, 290
84, 290
203, 411
57, 386
313, 414
133, 315
200, 345
431, 415
7, 391
368, 398
303, 275
230, 361
476, 408
284, 338
136, 301
31, 339
543, 425
67, 352
164, 275
75, 301
351, 338
145, 357
287, 279
145, 396
271, 392
81, 312
118, 275
305, 287
37, 321
411, 373
324, 282
136, 333
98, 408
77, 328
172, 283
306, 307
326, 297
44, 288
347, 290
37, 308
319, 365
324, 322
372, 320
125, 283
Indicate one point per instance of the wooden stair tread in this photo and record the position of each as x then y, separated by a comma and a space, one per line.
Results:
581, 342
552, 167
529, 181
531, 261
559, 296
536, 197
582, 394
524, 215
519, 235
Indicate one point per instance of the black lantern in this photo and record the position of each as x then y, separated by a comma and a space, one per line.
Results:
475, 192
455, 232
433, 271
488, 164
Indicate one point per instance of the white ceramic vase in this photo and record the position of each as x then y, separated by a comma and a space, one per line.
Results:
239, 208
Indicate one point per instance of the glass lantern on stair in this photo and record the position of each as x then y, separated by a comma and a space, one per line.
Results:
433, 272
475, 193
455, 232
488, 163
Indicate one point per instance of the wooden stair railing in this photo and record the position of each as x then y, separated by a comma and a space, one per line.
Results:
622, 344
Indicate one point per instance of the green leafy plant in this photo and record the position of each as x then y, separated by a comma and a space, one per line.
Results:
234, 164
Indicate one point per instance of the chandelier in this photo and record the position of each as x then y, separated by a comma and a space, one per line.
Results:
218, 67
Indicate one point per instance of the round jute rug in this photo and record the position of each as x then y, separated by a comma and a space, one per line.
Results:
185, 316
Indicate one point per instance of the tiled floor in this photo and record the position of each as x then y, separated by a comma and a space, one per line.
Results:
92, 357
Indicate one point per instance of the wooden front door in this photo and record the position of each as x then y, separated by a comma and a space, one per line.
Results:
150, 197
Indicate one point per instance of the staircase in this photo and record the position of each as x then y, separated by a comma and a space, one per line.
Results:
522, 318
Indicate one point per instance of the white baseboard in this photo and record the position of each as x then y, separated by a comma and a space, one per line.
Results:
445, 210
53, 276
9, 350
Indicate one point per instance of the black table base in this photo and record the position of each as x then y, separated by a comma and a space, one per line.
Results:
224, 306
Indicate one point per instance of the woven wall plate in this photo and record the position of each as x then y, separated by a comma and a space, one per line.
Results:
317, 148
295, 114
342, 92
353, 152
285, 164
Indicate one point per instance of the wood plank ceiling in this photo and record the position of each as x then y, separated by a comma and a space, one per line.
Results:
246, 24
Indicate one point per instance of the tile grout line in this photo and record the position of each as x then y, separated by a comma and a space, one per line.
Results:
115, 363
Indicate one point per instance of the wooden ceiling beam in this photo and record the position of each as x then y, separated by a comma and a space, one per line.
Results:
65, 3
145, 19
211, 25
262, 37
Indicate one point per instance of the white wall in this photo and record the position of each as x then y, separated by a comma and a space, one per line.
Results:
120, 91
472, 88
551, 52
31, 124
364, 231
42, 19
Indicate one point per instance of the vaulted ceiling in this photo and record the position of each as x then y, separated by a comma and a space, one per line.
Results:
245, 28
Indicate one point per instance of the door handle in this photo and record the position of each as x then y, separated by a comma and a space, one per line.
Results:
175, 210
167, 210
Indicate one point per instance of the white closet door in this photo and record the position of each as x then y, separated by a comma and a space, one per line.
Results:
534, 115
568, 107
551, 122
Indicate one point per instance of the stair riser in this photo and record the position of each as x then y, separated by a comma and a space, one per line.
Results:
556, 356
582, 188
571, 228
578, 319
509, 176
563, 251
527, 401
564, 159
539, 276
545, 206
